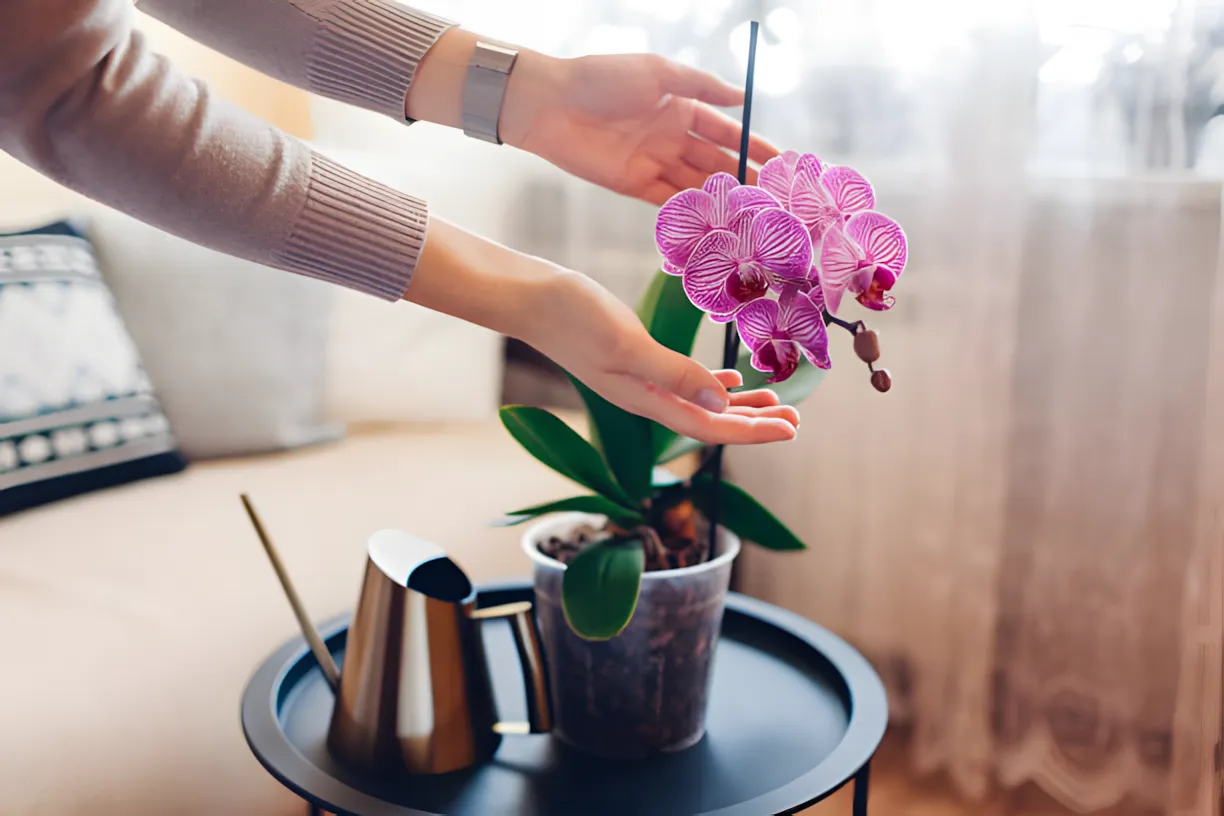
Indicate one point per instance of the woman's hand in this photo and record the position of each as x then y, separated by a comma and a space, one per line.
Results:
593, 335
600, 340
637, 124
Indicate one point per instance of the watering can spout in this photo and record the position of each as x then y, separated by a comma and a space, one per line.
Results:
418, 565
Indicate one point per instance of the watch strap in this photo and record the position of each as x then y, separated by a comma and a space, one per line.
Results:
484, 90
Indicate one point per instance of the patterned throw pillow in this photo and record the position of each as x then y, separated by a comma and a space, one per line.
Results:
77, 412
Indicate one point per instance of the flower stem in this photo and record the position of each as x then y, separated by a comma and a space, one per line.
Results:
850, 327
731, 339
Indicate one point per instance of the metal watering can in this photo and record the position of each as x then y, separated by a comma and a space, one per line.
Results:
415, 693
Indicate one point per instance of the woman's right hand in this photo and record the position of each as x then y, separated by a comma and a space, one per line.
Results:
601, 341
591, 334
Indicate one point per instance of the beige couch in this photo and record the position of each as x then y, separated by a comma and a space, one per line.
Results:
135, 615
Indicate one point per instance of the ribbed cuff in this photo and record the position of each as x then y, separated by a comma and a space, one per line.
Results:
367, 51
356, 232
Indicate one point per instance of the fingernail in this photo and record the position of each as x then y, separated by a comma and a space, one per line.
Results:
712, 400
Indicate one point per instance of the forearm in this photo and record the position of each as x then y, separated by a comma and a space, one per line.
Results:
482, 282
83, 101
436, 93
375, 54
361, 52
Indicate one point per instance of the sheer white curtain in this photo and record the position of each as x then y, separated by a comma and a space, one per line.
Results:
1025, 534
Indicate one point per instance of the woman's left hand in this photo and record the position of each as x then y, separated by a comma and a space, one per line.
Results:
637, 124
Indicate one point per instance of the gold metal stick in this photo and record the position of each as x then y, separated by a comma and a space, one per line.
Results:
313, 638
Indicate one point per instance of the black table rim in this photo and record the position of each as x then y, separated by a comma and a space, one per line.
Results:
868, 721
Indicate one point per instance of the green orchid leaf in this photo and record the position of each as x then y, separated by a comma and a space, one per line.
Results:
622, 438
677, 447
561, 448
744, 515
668, 314
622, 516
673, 320
627, 442
600, 589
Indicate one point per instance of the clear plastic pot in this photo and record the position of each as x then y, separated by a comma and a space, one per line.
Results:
644, 691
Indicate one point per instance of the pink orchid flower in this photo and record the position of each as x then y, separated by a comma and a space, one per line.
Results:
690, 215
866, 258
823, 197
778, 331
777, 176
729, 268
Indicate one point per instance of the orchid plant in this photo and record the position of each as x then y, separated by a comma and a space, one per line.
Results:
776, 259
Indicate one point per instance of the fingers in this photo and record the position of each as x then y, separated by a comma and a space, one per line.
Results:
709, 158
785, 412
736, 426
684, 176
683, 80
680, 393
657, 192
723, 131
679, 375
757, 398
761, 398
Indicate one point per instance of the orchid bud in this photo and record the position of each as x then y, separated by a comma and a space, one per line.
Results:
867, 346
881, 380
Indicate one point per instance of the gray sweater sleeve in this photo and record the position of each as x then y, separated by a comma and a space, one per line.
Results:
362, 52
84, 101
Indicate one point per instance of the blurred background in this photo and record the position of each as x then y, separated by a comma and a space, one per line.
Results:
1025, 535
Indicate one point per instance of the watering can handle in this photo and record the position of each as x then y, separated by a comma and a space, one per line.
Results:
531, 659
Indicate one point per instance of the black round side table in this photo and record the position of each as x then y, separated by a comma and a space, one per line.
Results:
795, 714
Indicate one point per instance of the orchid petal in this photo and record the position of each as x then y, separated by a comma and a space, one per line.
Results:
778, 175
849, 191
672, 269
840, 260
816, 292
683, 220
741, 225
713, 262
882, 239
720, 186
818, 355
778, 358
879, 304
811, 202
874, 295
780, 243
832, 296
757, 322
802, 319
862, 281
808, 163
748, 197
884, 277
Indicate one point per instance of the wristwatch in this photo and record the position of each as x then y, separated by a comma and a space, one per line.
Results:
485, 88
